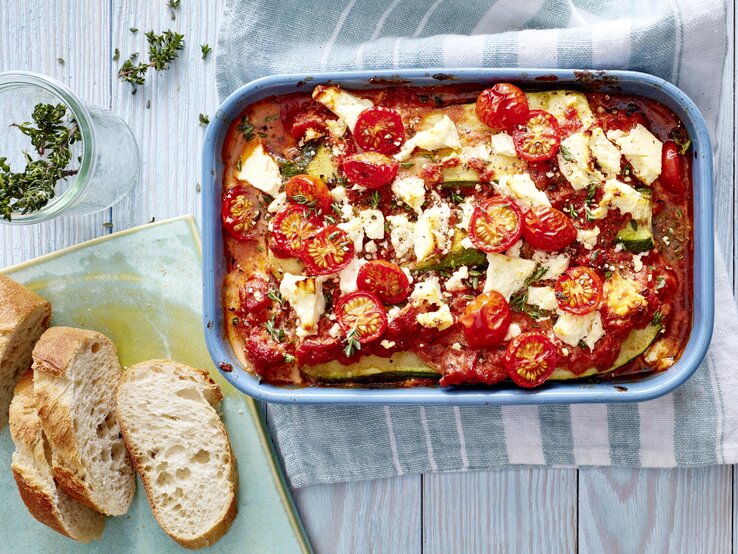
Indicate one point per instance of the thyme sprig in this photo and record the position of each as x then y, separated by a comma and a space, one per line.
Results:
163, 50
52, 135
352, 342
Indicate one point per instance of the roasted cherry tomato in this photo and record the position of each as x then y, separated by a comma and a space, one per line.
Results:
291, 227
622, 121
495, 226
385, 279
310, 192
380, 130
530, 359
486, 319
538, 137
327, 251
298, 118
548, 229
370, 169
502, 107
579, 290
362, 315
672, 168
254, 296
238, 213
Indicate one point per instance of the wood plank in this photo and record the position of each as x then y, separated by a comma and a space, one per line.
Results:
367, 517
655, 510
168, 132
35, 33
519, 510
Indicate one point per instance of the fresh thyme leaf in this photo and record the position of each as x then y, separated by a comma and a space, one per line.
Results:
134, 29
588, 214
163, 50
591, 191
60, 61
352, 342
582, 344
571, 211
245, 128
52, 135
204, 119
566, 154
173, 4
658, 318
681, 138
289, 358
608, 274
329, 219
456, 197
376, 197
276, 296
205, 49
277, 333
272, 117
519, 300
407, 165
116, 55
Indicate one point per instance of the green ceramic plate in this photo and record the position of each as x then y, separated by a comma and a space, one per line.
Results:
141, 288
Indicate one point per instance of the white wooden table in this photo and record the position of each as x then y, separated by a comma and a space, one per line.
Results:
593, 510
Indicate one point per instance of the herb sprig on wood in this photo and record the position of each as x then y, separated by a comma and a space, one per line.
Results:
52, 134
163, 50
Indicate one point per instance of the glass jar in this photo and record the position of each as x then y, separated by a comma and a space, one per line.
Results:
106, 159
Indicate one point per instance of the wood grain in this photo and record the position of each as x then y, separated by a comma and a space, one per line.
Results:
33, 35
681, 510
520, 510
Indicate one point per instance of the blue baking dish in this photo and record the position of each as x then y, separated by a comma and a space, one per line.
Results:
619, 390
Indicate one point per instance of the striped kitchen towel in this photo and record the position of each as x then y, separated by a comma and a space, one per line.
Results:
683, 41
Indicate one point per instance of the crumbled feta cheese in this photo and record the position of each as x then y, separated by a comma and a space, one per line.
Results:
522, 189
626, 199
279, 202
576, 166
457, 346
387, 344
441, 319
502, 144
507, 275
335, 330
572, 328
543, 297
355, 232
429, 291
478, 152
642, 149
370, 247
456, 281
467, 243
401, 234
336, 127
301, 332
588, 237
555, 264
260, 170
466, 210
411, 191
338, 194
305, 295
373, 223
513, 331
605, 152
345, 105
425, 244
623, 295
431, 231
638, 262
442, 135
347, 276
560, 103
514, 250
393, 312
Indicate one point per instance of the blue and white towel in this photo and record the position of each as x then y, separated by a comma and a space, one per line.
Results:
683, 41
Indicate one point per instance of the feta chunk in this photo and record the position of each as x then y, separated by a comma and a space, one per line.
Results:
507, 275
478, 152
513, 331
428, 291
279, 202
456, 281
571, 329
411, 191
373, 223
522, 189
560, 103
467, 209
514, 250
555, 264
347, 276
642, 149
355, 231
543, 297
502, 144
442, 135
431, 231
588, 237
305, 295
626, 199
401, 234
345, 105
441, 319
605, 152
339, 195
575, 161
623, 295
260, 170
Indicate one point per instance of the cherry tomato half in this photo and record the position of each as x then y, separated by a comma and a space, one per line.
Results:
309, 191
486, 319
502, 107
291, 227
239, 214
548, 229
362, 314
299, 117
579, 290
538, 137
622, 121
385, 279
672, 168
370, 169
530, 359
495, 226
327, 251
380, 130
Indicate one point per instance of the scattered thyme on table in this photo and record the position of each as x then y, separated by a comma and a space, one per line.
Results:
52, 134
163, 50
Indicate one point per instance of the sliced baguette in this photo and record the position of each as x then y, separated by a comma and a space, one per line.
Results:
76, 372
23, 317
31, 465
180, 448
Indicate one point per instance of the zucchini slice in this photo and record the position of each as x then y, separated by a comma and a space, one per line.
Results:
373, 369
636, 236
323, 165
453, 260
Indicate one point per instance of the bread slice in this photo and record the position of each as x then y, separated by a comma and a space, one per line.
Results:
180, 448
31, 467
23, 317
76, 372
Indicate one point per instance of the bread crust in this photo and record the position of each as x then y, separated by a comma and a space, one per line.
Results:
212, 535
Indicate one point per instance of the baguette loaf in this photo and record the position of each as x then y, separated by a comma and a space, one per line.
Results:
76, 372
180, 448
23, 317
31, 467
